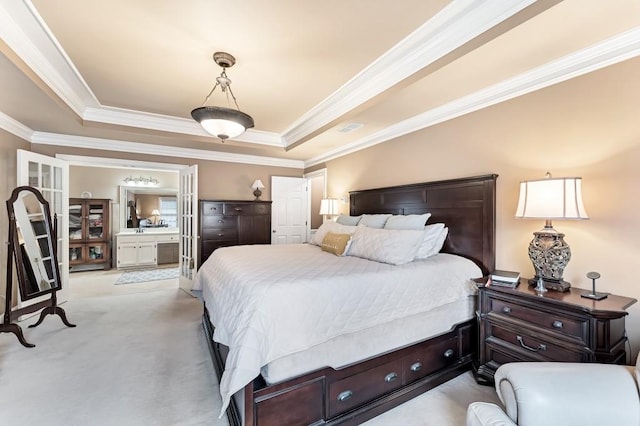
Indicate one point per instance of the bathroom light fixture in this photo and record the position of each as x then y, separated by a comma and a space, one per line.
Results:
141, 181
550, 198
219, 121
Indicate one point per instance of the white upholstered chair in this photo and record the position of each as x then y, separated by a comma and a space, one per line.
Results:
567, 394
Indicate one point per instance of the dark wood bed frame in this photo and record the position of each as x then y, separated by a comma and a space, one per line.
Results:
361, 391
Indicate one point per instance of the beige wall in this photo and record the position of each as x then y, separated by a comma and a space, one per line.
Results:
216, 179
585, 127
8, 146
104, 182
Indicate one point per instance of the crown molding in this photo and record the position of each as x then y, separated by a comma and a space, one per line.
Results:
451, 28
24, 31
29, 36
118, 163
611, 51
15, 127
166, 123
45, 138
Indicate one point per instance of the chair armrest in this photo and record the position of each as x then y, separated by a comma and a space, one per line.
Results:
487, 414
555, 393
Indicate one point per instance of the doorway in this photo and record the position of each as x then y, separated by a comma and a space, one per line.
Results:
152, 189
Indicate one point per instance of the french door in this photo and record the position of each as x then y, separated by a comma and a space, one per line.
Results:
188, 226
51, 177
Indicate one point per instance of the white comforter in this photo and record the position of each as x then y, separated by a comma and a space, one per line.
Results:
269, 301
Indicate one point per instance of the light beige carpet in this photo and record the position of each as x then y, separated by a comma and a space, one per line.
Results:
141, 359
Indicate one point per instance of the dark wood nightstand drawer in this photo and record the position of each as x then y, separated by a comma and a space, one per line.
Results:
352, 391
528, 345
219, 222
520, 324
554, 322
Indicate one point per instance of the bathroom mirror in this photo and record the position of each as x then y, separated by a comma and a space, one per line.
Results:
33, 244
32, 249
143, 208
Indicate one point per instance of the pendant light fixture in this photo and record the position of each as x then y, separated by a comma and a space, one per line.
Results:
219, 121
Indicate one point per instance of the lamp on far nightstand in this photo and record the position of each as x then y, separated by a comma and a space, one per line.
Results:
258, 187
329, 207
549, 199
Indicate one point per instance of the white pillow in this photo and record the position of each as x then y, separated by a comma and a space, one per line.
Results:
348, 220
374, 220
385, 245
410, 221
330, 226
437, 245
430, 238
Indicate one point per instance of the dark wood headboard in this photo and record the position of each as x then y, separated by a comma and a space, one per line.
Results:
466, 205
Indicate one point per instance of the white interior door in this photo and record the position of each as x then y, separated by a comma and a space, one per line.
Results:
289, 210
188, 225
51, 177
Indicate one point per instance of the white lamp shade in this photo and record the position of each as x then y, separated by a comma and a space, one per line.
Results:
155, 212
257, 184
329, 206
553, 198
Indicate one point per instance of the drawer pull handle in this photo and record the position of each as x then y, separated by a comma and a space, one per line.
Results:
448, 353
390, 377
238, 209
540, 347
506, 309
416, 367
557, 324
214, 208
221, 221
220, 235
343, 396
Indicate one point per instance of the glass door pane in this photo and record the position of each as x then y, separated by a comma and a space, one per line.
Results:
95, 221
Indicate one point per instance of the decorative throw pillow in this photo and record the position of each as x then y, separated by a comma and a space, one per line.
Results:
337, 244
348, 220
330, 226
410, 221
374, 220
385, 245
430, 239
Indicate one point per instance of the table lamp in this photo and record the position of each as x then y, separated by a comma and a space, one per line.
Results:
257, 186
550, 199
329, 207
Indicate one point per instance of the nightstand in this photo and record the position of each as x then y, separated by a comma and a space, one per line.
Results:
520, 325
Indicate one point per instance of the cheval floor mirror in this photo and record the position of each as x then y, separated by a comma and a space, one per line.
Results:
32, 248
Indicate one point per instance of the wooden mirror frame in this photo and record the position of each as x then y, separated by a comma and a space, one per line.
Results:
16, 256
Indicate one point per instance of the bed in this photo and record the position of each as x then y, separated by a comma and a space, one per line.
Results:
362, 336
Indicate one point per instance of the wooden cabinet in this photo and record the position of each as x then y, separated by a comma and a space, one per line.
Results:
520, 325
89, 234
230, 223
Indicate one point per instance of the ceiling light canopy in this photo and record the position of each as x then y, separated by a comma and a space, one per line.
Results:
223, 122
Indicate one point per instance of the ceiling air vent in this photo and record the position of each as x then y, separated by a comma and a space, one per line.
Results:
348, 128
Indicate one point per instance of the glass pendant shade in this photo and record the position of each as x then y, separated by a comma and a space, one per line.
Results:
222, 122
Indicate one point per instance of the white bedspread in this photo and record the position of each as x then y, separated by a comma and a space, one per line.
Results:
269, 301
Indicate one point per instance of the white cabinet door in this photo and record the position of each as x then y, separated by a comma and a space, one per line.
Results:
127, 254
147, 253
